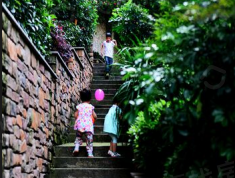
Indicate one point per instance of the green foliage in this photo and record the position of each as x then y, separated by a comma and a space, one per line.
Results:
131, 21
147, 140
151, 5
35, 18
73, 33
180, 68
85, 12
106, 6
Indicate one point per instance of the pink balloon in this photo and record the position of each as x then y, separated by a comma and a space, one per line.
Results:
99, 95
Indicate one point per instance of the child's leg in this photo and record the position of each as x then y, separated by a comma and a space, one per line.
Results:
106, 64
89, 143
113, 143
110, 64
111, 146
114, 146
78, 141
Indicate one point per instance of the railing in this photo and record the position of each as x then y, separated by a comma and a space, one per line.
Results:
61, 60
87, 56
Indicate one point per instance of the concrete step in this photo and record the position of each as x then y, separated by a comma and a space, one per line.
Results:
98, 151
101, 116
103, 102
107, 91
98, 129
105, 86
98, 61
89, 173
99, 138
102, 111
107, 82
99, 106
85, 162
113, 78
99, 65
98, 122
107, 96
102, 74
102, 69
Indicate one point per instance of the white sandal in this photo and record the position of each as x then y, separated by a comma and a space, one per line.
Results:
115, 154
110, 153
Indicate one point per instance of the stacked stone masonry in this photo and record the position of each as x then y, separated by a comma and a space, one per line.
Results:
38, 100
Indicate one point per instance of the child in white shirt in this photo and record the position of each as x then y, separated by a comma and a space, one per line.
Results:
107, 50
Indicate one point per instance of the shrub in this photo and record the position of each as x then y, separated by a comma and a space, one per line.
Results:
189, 64
85, 12
151, 5
107, 6
60, 44
35, 18
72, 33
131, 21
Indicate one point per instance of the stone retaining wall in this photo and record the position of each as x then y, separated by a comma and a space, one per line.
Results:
38, 100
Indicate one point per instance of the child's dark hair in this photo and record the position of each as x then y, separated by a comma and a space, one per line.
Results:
85, 95
115, 100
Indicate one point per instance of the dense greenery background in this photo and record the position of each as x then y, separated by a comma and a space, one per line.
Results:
85, 12
132, 21
181, 117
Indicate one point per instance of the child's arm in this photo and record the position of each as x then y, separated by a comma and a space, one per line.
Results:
94, 115
119, 113
120, 116
115, 42
76, 114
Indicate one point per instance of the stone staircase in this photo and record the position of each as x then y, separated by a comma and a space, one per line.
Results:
102, 165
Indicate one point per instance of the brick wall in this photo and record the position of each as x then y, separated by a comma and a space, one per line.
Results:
38, 99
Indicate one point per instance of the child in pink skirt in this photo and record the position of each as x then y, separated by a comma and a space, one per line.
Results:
84, 124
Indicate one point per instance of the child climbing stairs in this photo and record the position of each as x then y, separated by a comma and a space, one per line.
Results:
102, 165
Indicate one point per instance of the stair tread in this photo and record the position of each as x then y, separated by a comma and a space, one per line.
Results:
107, 94
95, 162
106, 84
95, 144
100, 134
94, 125
102, 80
86, 158
91, 173
90, 168
105, 106
106, 89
